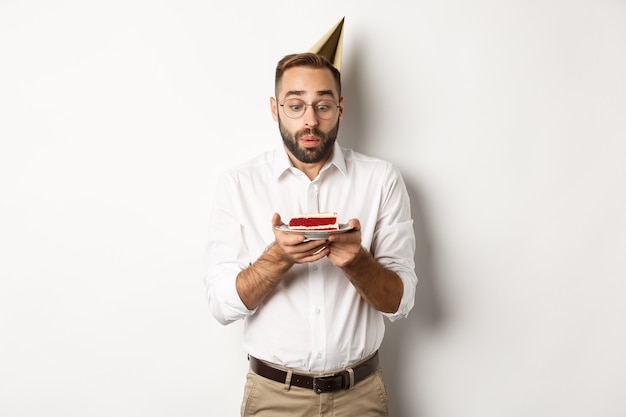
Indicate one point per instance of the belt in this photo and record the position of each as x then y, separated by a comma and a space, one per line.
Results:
343, 379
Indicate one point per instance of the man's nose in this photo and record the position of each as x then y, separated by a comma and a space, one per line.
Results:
310, 117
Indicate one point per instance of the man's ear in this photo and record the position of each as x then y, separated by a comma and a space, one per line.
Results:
274, 108
340, 107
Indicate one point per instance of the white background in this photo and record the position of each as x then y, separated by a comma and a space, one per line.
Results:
507, 119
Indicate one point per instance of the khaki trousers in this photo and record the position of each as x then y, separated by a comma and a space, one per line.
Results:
266, 398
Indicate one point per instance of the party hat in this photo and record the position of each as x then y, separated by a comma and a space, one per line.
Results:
331, 45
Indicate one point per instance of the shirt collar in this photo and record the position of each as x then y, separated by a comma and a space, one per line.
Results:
283, 164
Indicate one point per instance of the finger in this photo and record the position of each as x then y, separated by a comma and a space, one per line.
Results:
316, 256
276, 220
355, 224
319, 250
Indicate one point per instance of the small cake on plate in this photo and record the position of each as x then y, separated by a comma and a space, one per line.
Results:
315, 221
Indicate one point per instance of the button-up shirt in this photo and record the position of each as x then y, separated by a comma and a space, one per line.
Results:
314, 320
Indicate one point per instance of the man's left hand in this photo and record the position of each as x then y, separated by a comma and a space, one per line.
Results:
344, 247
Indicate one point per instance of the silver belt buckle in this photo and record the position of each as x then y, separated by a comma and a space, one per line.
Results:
316, 386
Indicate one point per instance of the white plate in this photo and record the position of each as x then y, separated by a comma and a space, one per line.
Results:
315, 234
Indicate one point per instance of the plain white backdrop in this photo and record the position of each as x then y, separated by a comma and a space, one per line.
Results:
506, 118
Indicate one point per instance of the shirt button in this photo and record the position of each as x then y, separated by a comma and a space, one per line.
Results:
319, 356
317, 311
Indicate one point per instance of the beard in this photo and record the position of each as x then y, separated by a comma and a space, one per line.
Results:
309, 155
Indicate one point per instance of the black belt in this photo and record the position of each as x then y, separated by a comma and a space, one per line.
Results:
319, 384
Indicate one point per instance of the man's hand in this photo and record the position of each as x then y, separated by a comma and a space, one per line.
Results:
344, 247
294, 247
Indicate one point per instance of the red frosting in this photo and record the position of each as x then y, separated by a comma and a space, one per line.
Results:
312, 221
315, 222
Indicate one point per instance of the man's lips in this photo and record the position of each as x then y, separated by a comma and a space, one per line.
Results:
309, 140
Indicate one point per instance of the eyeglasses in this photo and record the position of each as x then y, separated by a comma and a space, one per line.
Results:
294, 108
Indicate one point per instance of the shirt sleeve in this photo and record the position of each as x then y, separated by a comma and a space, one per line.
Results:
225, 256
393, 245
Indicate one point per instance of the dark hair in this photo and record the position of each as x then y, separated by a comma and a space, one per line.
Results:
306, 59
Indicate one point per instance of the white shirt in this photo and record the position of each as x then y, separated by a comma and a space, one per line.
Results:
315, 319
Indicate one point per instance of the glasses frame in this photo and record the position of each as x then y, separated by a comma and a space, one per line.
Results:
307, 105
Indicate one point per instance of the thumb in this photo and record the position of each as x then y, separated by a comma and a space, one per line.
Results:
276, 221
355, 223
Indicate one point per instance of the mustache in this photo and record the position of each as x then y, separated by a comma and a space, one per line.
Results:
310, 132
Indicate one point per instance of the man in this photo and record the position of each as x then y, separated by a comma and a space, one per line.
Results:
313, 309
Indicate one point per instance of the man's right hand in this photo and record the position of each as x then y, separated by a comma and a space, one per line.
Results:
294, 247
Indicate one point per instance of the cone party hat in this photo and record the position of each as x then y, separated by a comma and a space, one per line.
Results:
331, 45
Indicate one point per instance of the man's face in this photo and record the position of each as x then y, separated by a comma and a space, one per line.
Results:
310, 137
